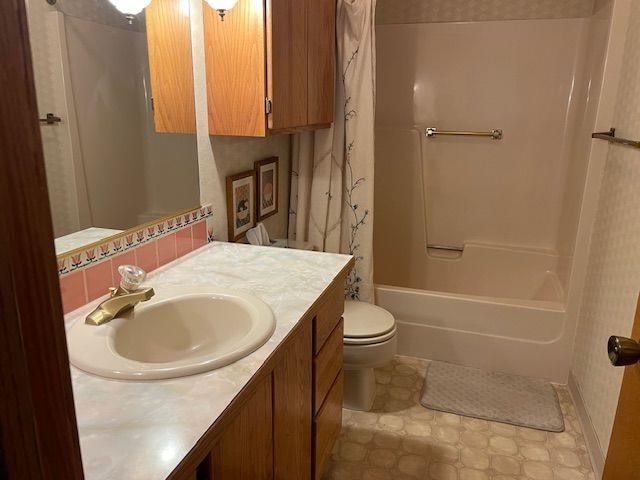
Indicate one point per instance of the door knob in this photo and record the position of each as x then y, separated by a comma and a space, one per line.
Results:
623, 351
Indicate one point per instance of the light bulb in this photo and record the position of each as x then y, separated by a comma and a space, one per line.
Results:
130, 7
222, 6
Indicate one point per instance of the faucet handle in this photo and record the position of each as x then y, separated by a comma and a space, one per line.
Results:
132, 277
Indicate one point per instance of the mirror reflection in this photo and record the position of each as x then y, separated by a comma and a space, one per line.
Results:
108, 167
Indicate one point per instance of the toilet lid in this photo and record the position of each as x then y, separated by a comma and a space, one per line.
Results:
364, 320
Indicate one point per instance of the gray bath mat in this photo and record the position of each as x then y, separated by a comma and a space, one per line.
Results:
498, 397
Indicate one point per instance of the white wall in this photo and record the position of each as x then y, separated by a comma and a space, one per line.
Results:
51, 88
219, 157
613, 273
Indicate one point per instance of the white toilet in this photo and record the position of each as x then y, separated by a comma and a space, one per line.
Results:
369, 342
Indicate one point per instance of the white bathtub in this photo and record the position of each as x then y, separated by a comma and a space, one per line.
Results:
457, 316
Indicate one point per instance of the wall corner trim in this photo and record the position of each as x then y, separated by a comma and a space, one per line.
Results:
591, 439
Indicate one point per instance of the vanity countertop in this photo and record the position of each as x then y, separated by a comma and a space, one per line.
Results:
142, 430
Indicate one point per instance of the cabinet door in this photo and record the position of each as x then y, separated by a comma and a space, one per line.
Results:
327, 426
245, 449
235, 59
287, 62
321, 33
170, 65
292, 409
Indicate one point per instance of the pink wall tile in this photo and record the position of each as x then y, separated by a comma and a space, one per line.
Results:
199, 234
184, 242
147, 256
166, 249
73, 291
99, 278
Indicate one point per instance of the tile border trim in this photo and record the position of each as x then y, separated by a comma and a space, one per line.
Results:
82, 258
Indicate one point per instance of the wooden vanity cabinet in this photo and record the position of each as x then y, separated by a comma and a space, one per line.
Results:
284, 423
270, 66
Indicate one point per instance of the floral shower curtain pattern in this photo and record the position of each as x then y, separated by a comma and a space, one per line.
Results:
331, 202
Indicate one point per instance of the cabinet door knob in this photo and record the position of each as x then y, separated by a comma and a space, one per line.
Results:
623, 351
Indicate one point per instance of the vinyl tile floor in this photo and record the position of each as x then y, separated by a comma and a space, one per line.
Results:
400, 439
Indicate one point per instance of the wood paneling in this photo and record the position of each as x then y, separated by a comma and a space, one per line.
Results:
328, 316
171, 66
236, 74
326, 365
292, 409
623, 458
327, 426
287, 62
245, 449
38, 433
321, 34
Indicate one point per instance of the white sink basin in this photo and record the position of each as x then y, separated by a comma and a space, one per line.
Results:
181, 331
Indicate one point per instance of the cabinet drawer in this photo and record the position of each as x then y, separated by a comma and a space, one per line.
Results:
327, 426
327, 364
328, 316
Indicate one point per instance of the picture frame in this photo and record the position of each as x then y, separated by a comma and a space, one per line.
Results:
241, 204
267, 187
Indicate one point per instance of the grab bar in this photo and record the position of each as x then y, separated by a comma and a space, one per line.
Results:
495, 134
610, 137
451, 248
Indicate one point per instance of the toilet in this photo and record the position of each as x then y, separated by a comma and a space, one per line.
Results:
369, 342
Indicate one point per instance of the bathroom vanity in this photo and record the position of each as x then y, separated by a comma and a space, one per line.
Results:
272, 414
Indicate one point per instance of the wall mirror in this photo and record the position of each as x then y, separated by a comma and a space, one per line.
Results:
117, 115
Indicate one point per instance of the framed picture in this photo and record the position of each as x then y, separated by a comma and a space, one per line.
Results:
267, 175
241, 204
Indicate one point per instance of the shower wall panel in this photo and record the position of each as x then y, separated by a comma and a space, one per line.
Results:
519, 76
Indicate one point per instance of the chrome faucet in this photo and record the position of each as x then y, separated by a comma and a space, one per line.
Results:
123, 298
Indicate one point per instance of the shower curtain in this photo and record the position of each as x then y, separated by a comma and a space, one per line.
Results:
331, 202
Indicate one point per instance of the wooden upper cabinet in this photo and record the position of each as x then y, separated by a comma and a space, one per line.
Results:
287, 63
236, 77
321, 15
270, 66
171, 66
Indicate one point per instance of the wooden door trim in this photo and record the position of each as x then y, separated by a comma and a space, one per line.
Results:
39, 437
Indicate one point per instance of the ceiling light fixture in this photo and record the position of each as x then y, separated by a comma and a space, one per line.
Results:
130, 8
222, 6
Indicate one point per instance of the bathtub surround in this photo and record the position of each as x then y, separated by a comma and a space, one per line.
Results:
331, 202
142, 430
509, 302
613, 280
87, 273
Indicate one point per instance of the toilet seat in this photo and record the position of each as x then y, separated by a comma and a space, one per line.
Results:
370, 340
367, 324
